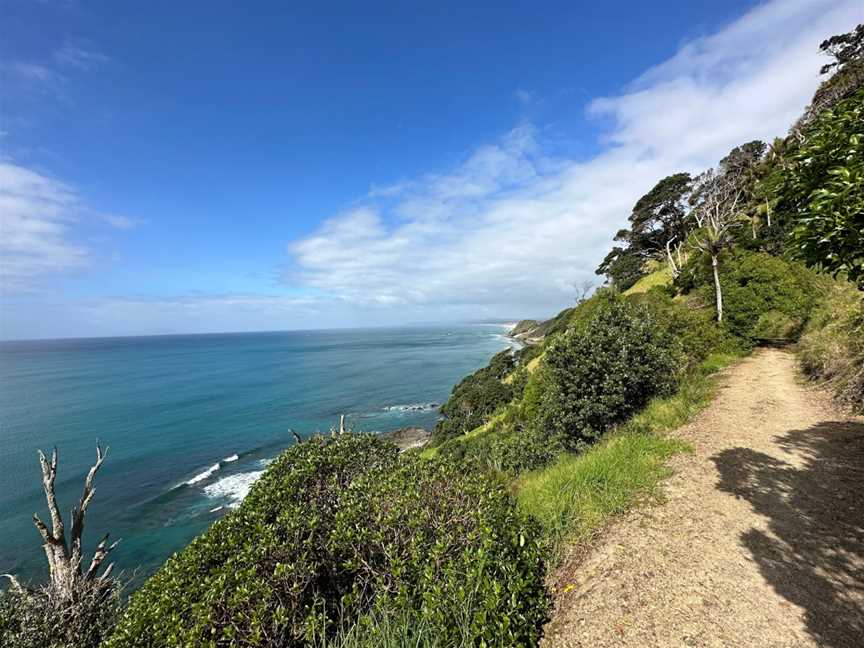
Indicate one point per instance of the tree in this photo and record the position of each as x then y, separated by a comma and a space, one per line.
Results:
845, 49
659, 224
75, 608
622, 267
64, 559
660, 218
847, 52
717, 211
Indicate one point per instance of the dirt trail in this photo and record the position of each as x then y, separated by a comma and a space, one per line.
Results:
760, 542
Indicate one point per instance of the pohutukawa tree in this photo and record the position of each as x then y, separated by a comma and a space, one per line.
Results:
65, 555
718, 203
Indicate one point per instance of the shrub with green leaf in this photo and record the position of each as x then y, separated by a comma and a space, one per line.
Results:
832, 347
338, 532
765, 296
596, 378
823, 193
475, 398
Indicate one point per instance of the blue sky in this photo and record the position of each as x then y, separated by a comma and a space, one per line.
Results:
252, 166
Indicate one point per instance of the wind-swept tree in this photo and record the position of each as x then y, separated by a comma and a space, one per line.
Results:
719, 198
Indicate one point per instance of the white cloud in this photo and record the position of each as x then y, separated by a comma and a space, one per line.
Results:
79, 56
41, 219
36, 215
510, 230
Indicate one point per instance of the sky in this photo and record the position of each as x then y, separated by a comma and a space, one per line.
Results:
202, 167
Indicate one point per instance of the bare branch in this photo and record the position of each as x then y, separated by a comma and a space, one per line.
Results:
79, 512
13, 581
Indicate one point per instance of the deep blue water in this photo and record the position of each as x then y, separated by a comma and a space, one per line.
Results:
191, 420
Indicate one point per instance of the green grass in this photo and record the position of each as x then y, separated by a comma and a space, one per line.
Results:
659, 277
577, 494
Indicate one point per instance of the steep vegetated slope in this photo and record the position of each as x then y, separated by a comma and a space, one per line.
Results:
344, 542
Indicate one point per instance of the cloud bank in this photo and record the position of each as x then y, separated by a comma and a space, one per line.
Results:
511, 230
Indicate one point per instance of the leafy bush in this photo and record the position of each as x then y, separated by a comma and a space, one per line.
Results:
41, 618
823, 193
756, 286
475, 398
596, 378
337, 533
695, 327
505, 445
832, 347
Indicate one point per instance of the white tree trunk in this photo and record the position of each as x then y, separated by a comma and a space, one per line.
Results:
64, 558
717, 291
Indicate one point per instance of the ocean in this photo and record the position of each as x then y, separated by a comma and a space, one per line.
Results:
192, 420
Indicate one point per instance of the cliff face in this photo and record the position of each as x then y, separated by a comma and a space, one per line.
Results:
533, 331
524, 328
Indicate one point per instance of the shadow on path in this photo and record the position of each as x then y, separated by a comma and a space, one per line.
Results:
814, 553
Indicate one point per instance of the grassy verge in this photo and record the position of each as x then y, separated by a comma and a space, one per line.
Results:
577, 494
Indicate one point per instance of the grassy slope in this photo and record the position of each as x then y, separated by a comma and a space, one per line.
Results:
573, 497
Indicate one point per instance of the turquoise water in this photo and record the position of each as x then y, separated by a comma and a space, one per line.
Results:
192, 420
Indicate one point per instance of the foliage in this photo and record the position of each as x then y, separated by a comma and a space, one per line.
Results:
475, 398
823, 193
339, 532
832, 347
764, 295
596, 378
658, 219
845, 49
698, 334
41, 618
575, 495
622, 267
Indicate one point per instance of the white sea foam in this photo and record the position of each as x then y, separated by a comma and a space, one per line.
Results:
233, 457
233, 487
412, 407
203, 475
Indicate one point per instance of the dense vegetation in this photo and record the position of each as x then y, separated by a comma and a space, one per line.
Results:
342, 531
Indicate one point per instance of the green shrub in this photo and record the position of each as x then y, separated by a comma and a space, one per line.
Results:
832, 347
40, 618
596, 378
337, 532
475, 398
756, 286
695, 328
823, 193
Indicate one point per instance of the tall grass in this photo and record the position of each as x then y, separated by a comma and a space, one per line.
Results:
832, 347
578, 493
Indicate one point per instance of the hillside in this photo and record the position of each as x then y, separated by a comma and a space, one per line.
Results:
759, 540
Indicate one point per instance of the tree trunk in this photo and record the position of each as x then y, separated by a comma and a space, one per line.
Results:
64, 558
717, 290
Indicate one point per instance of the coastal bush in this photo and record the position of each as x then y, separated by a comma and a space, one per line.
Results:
823, 191
695, 328
832, 346
594, 379
337, 532
756, 286
475, 398
574, 495
40, 618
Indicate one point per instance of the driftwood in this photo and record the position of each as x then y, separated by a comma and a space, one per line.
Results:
65, 558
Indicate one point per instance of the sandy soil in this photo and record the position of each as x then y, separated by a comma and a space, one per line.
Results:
760, 541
